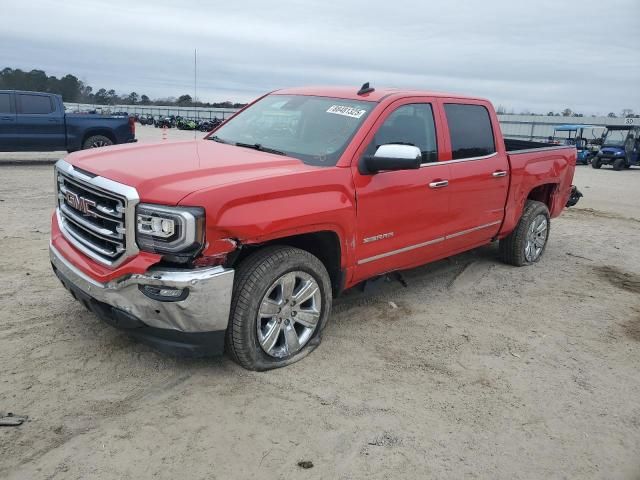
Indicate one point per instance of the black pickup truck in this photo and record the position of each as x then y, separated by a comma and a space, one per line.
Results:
37, 122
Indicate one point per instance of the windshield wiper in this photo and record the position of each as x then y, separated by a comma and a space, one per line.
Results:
262, 148
216, 138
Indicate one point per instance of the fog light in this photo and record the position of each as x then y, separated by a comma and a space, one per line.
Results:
164, 294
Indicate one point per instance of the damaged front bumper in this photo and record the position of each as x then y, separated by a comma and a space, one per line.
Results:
183, 312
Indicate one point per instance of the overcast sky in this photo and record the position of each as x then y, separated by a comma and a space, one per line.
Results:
536, 55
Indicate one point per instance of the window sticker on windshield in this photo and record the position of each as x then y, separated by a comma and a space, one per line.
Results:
346, 111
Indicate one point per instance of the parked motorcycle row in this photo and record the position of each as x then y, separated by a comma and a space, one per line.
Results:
176, 121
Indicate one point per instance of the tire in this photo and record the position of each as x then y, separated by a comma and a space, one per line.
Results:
524, 246
96, 141
618, 164
595, 163
260, 285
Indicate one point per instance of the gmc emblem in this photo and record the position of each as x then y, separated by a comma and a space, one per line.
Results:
80, 203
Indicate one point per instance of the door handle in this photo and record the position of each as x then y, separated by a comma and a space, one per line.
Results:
7, 118
439, 184
54, 120
499, 173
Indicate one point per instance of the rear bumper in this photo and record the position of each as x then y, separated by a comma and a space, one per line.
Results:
574, 197
193, 324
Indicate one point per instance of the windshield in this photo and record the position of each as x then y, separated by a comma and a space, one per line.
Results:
615, 138
315, 130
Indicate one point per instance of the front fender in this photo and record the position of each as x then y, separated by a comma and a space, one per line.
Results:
266, 209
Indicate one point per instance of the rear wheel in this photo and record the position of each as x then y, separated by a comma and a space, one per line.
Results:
97, 141
281, 303
526, 244
595, 163
618, 164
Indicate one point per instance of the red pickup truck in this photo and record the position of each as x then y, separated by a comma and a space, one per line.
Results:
239, 241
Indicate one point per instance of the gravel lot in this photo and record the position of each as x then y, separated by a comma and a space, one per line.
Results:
475, 370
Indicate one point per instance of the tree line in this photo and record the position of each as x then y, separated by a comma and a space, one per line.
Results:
76, 91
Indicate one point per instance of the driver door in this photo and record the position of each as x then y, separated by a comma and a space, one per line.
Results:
402, 215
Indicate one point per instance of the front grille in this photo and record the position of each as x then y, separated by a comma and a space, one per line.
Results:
94, 218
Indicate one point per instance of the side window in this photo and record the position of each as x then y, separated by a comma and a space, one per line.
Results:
409, 125
470, 130
34, 104
5, 103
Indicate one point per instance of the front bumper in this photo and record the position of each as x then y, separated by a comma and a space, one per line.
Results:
609, 158
194, 325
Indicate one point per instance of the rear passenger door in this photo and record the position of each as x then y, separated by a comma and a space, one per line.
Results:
39, 124
479, 181
8, 138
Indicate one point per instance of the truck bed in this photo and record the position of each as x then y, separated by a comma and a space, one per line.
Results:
521, 146
533, 164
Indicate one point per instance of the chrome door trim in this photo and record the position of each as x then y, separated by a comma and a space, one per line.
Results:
471, 230
400, 250
430, 242
460, 160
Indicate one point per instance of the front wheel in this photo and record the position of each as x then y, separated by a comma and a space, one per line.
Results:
618, 164
281, 302
595, 163
526, 244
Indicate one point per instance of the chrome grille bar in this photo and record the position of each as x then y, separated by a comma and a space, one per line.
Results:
102, 211
92, 228
96, 215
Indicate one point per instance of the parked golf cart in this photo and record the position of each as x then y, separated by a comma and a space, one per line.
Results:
582, 136
620, 146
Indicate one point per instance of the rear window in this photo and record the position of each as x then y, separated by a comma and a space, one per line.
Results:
5, 103
470, 130
34, 104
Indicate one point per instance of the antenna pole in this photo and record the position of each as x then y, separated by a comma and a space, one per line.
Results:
195, 84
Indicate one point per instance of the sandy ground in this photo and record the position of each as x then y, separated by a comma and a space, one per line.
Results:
475, 370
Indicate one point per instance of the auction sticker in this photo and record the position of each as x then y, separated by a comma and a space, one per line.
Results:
346, 111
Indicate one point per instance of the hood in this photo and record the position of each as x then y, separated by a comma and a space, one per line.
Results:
167, 172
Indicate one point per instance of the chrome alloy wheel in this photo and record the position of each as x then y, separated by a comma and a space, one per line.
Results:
536, 238
289, 314
99, 143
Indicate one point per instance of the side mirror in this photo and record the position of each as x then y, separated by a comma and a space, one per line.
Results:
392, 157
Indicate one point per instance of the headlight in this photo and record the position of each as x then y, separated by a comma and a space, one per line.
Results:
173, 230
